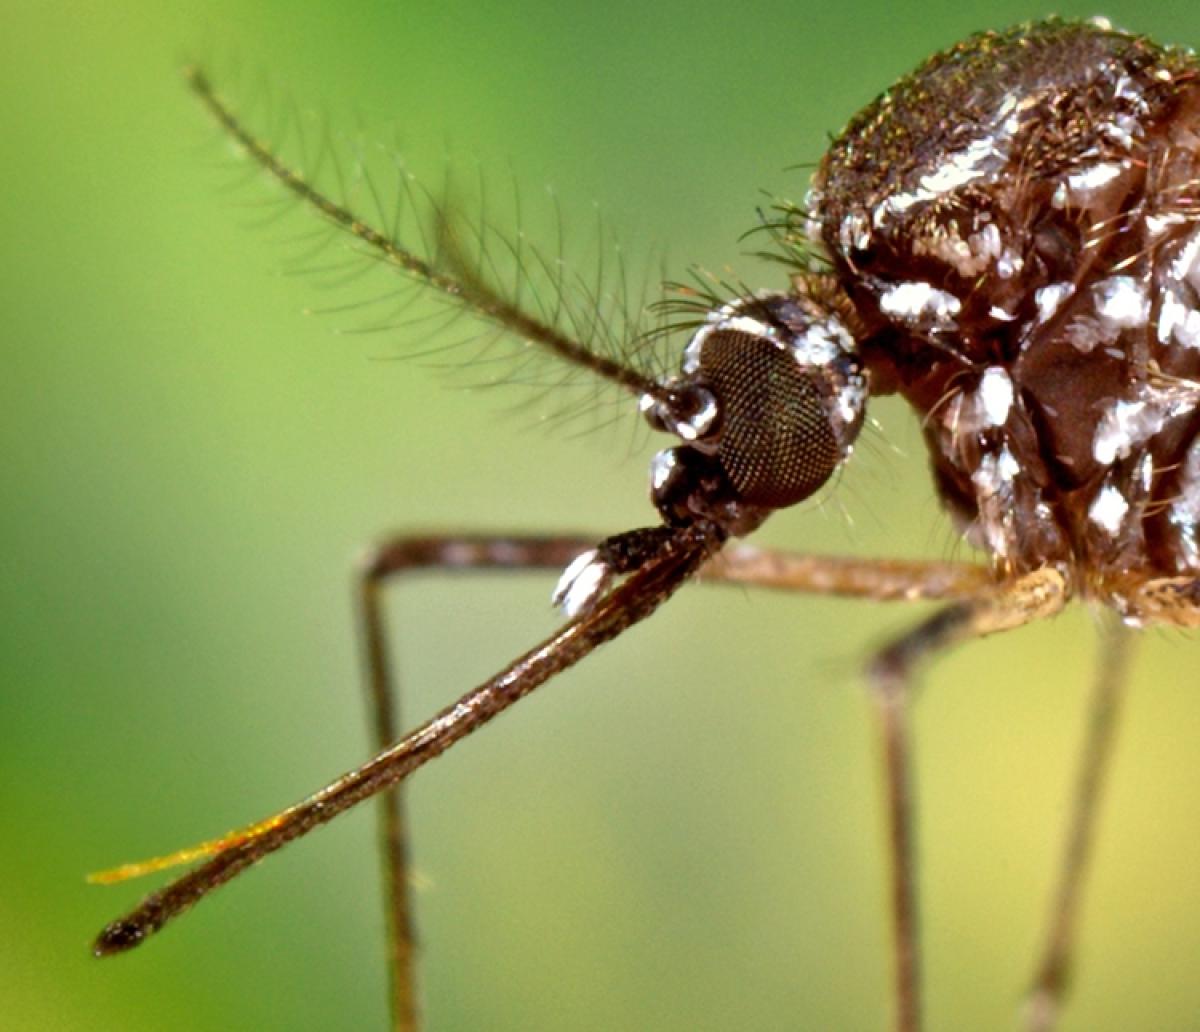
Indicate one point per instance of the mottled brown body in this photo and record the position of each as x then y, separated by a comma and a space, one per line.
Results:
1017, 227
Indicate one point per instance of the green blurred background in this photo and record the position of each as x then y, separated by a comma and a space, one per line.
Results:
685, 833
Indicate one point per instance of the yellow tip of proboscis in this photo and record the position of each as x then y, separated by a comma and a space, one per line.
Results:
158, 863
200, 851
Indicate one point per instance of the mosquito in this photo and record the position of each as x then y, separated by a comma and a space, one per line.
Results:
1009, 239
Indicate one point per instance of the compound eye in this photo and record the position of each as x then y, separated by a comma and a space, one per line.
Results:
776, 446
790, 394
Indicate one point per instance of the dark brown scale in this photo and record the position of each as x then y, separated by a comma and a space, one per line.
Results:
1022, 206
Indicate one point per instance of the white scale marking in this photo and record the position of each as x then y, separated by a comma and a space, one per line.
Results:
1179, 320
1122, 302
821, 343
580, 583
1108, 510
1129, 423
1184, 514
1079, 187
996, 395
1049, 298
661, 468
916, 300
993, 482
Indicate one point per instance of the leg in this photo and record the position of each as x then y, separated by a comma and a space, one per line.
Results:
392, 559
446, 553
1003, 607
876, 579
1054, 969
881, 580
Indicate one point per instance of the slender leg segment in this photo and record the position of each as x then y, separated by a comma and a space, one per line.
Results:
1053, 974
891, 673
880, 580
392, 559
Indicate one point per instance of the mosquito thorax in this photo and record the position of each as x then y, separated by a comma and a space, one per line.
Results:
768, 402
1016, 226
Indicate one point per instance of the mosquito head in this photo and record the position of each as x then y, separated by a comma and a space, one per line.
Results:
768, 402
